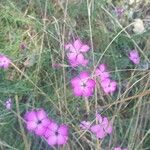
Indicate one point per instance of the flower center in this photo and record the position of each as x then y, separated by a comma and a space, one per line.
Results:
56, 133
39, 122
83, 84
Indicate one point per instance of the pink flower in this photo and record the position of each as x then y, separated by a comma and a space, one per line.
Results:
119, 11
82, 85
119, 148
85, 125
103, 128
4, 62
37, 121
109, 86
101, 71
8, 104
56, 135
75, 53
134, 56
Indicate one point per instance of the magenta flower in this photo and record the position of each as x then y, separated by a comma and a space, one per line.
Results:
56, 135
75, 53
109, 86
103, 128
8, 104
134, 56
101, 72
85, 125
82, 85
119, 148
37, 121
4, 62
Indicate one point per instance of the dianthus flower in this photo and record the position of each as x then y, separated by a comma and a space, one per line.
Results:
119, 148
109, 86
56, 134
37, 121
102, 72
103, 128
75, 52
4, 62
85, 125
8, 104
82, 85
119, 11
134, 56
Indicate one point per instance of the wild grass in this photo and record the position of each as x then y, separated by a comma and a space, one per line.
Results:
33, 34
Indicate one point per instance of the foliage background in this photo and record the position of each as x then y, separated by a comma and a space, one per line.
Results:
33, 34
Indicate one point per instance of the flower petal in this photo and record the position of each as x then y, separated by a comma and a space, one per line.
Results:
40, 130
117, 148
61, 140
53, 126
77, 44
80, 58
84, 48
101, 133
90, 83
77, 91
63, 130
30, 116
75, 82
99, 118
95, 128
52, 140
41, 114
87, 92
84, 75
31, 126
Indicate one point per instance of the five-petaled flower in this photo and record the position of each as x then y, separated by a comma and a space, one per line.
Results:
103, 128
75, 52
37, 121
109, 86
102, 72
119, 148
4, 62
56, 134
134, 56
83, 85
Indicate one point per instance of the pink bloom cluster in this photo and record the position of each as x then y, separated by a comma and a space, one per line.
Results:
39, 123
4, 62
101, 130
83, 85
134, 56
119, 148
109, 86
75, 53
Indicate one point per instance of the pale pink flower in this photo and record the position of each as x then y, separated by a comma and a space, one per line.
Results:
37, 121
75, 52
4, 62
85, 125
101, 71
103, 128
134, 56
83, 85
109, 86
119, 11
119, 148
8, 104
56, 135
